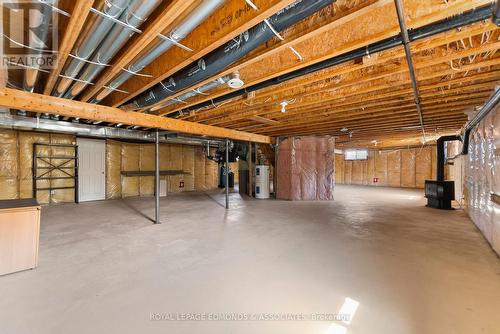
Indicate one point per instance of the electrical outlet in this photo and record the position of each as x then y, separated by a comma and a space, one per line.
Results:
52, 192
181, 184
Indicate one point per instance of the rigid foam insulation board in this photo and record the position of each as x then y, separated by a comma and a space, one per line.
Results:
9, 165
113, 169
146, 163
130, 162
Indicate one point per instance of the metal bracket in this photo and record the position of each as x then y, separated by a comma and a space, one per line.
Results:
115, 20
137, 73
251, 4
75, 79
296, 53
197, 91
87, 61
115, 89
174, 42
176, 99
274, 30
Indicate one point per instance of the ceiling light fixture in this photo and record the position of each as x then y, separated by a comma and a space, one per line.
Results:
235, 81
284, 104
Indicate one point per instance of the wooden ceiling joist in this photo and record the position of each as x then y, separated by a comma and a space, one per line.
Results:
232, 19
158, 26
270, 67
81, 11
15, 99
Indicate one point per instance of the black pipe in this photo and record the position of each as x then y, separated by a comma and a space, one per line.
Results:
496, 14
458, 21
409, 61
230, 52
441, 157
485, 110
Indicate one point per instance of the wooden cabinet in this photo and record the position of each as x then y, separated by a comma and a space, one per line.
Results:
19, 235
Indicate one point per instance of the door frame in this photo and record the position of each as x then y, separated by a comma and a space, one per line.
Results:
86, 139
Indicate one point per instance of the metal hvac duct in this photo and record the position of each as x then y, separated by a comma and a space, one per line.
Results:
204, 10
455, 22
99, 30
137, 12
8, 121
41, 20
230, 52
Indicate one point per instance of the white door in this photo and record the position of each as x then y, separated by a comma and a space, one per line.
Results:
91, 171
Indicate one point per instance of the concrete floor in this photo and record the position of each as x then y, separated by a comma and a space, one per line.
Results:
104, 268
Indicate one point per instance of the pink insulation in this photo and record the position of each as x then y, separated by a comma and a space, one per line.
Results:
306, 168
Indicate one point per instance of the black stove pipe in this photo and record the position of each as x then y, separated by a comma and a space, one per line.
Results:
458, 21
441, 157
496, 13
485, 110
229, 53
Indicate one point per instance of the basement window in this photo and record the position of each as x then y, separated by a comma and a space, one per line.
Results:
356, 155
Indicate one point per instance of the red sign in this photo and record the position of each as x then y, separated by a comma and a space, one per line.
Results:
375, 180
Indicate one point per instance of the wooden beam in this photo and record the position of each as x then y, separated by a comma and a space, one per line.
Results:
73, 29
15, 99
163, 22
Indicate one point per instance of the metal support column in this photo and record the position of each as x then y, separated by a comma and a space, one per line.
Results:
227, 173
157, 177
275, 174
250, 170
